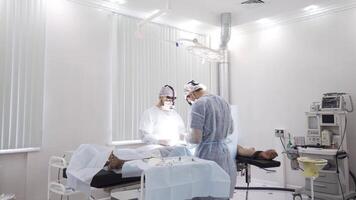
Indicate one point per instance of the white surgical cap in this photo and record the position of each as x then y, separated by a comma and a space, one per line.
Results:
192, 86
166, 91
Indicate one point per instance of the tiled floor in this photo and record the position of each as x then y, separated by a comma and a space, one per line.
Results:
261, 195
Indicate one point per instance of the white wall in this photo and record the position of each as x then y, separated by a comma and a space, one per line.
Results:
13, 175
277, 72
77, 95
77, 106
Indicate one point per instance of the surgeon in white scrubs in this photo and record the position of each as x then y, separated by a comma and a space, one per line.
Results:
161, 124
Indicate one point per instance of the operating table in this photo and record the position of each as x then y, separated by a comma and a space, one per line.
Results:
105, 179
131, 188
244, 164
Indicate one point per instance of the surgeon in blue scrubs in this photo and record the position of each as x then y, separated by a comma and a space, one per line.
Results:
211, 122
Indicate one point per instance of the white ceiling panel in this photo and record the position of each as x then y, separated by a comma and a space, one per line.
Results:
204, 14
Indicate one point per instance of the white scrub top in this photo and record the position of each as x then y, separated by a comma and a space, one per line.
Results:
157, 124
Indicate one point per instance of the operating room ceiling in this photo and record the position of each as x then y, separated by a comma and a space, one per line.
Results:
206, 13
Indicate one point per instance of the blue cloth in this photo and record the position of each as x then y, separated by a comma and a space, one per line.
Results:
212, 115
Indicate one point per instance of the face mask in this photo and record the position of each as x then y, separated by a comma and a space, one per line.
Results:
191, 102
167, 105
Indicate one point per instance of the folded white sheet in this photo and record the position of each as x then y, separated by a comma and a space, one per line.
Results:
177, 178
86, 161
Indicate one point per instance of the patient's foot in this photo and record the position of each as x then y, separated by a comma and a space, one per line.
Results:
268, 154
114, 162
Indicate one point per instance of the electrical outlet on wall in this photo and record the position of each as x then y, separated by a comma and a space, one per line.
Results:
279, 132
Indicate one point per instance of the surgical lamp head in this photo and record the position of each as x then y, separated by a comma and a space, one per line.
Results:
200, 50
187, 42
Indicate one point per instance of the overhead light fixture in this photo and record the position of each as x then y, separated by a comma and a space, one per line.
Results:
186, 42
252, 1
205, 53
311, 8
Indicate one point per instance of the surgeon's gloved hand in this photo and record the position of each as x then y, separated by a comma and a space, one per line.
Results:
183, 136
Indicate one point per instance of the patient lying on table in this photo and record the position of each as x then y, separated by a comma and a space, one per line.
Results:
116, 160
118, 157
88, 159
115, 163
269, 154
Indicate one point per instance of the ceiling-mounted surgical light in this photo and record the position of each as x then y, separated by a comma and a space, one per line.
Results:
186, 42
205, 53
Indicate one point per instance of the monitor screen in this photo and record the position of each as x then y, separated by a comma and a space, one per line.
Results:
330, 102
328, 119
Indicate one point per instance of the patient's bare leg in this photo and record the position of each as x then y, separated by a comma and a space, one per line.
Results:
245, 151
267, 155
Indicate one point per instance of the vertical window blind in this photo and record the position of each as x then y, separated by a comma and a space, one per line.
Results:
22, 45
144, 61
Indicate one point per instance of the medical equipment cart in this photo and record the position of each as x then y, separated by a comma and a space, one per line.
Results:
333, 182
58, 186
